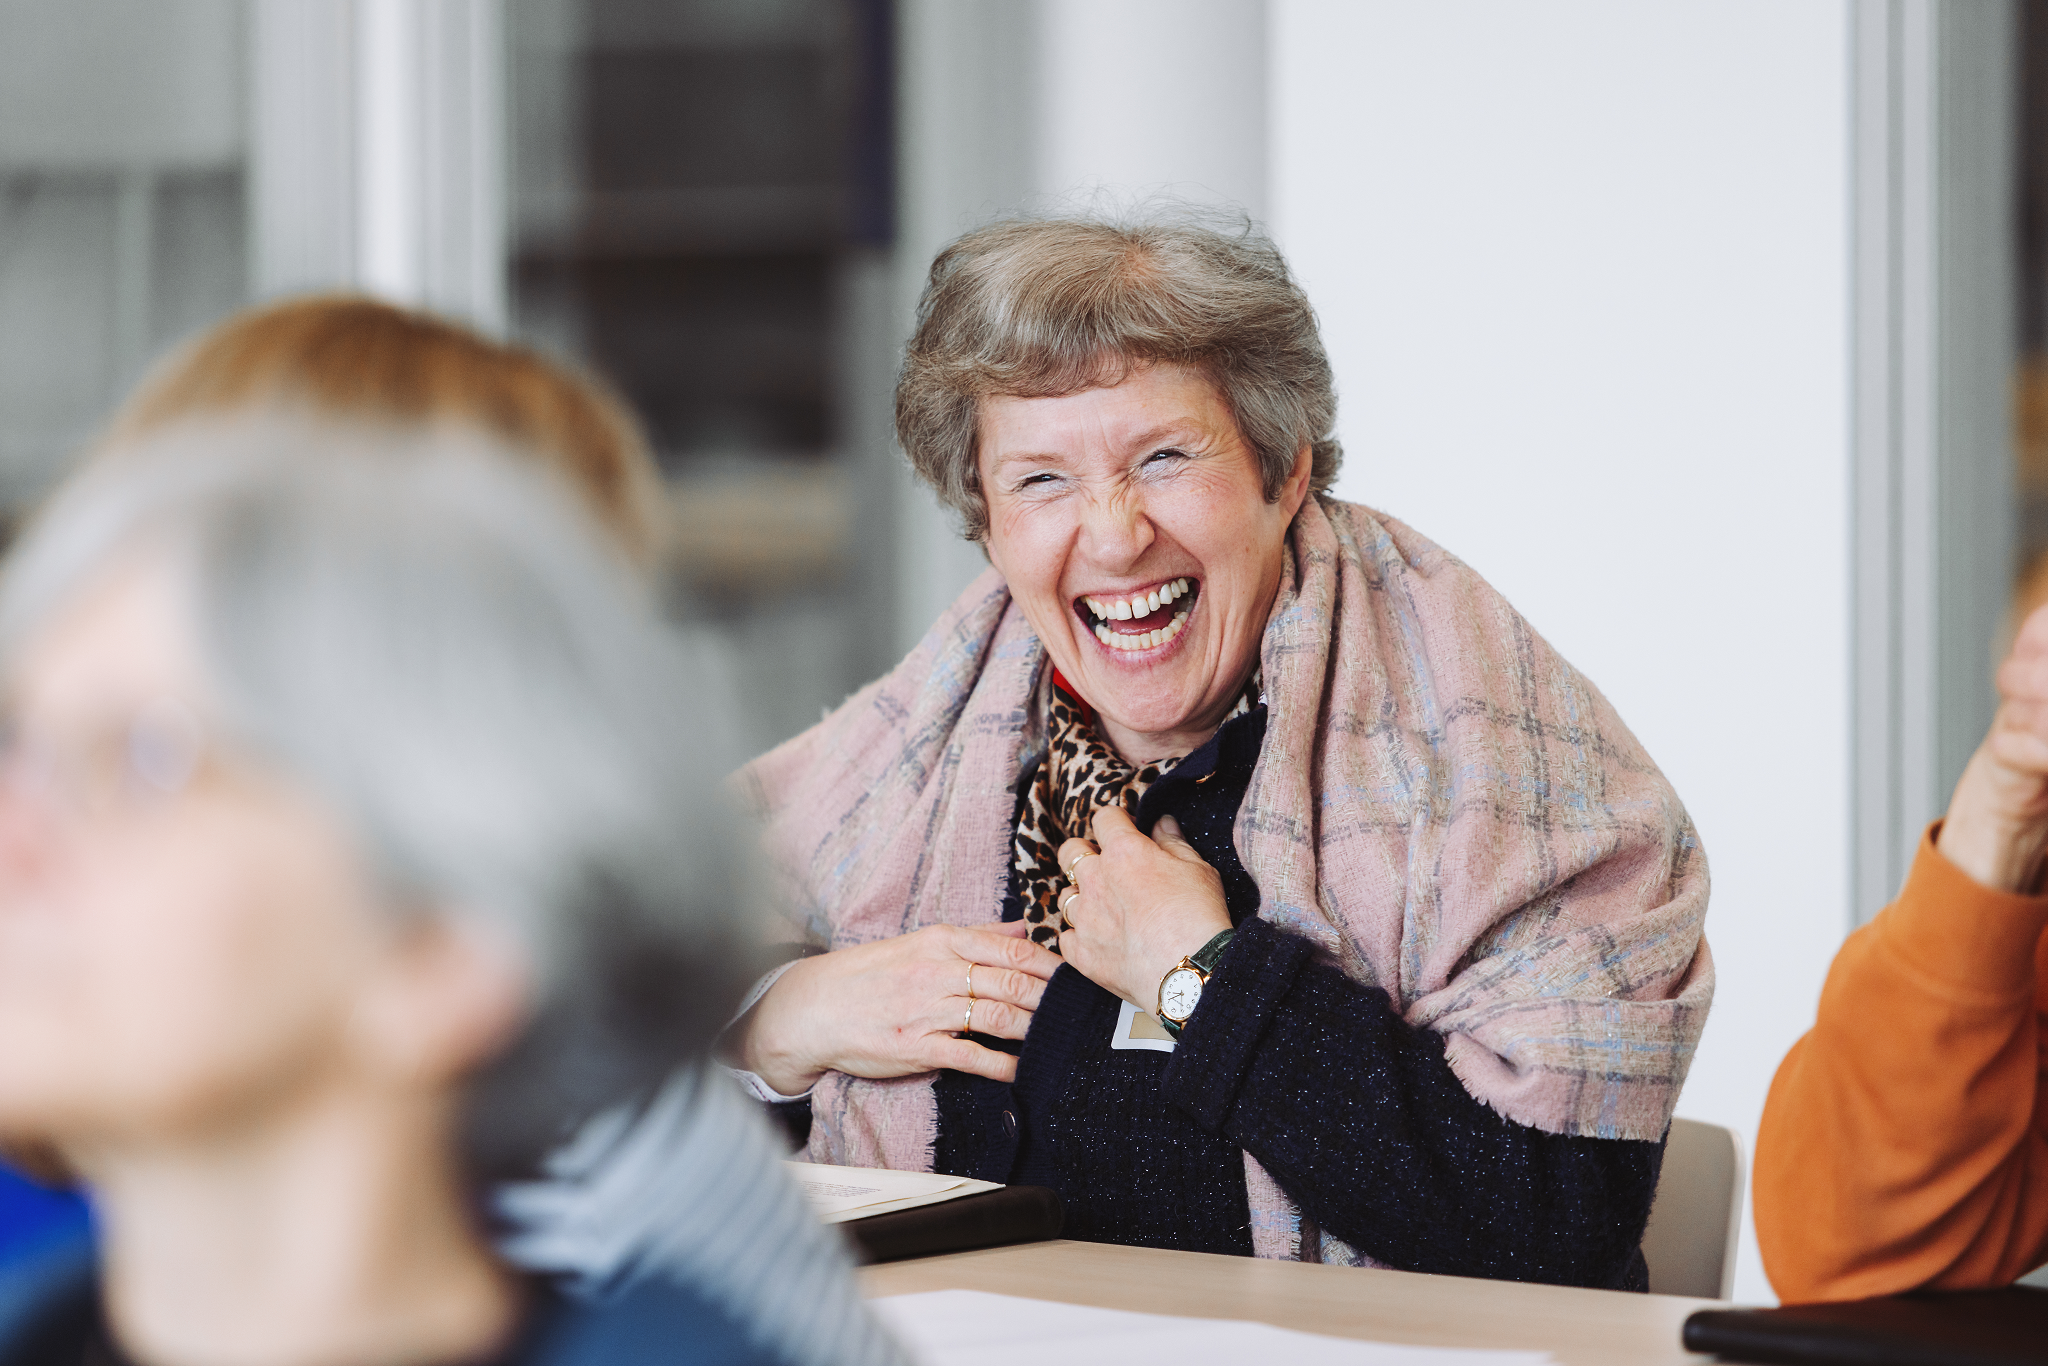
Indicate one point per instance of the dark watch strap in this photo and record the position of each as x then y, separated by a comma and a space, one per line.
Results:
1210, 954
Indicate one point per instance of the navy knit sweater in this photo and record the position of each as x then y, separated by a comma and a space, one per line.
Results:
1355, 1114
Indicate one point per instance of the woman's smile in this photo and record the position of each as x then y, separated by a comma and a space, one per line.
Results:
1140, 624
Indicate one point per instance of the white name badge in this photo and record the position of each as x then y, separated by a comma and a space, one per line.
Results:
1137, 1029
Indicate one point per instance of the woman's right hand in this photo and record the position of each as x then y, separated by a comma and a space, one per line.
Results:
1997, 821
896, 1007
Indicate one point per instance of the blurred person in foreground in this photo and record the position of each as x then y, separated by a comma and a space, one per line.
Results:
1904, 1144
686, 1185
349, 851
350, 358
1419, 920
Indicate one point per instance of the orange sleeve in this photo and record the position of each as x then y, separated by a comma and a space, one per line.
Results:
1905, 1140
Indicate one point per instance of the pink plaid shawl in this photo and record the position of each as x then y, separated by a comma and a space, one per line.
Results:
1443, 807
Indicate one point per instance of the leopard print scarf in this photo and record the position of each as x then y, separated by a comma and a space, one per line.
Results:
1080, 775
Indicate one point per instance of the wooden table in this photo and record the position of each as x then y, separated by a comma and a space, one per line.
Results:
1580, 1327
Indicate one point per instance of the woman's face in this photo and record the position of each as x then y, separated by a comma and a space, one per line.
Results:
1100, 500
182, 938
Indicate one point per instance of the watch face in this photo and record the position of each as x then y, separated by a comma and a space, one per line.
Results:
1179, 994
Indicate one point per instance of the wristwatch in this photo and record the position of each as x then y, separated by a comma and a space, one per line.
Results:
1180, 990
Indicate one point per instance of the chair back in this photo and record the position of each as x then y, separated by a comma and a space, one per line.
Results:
1697, 1215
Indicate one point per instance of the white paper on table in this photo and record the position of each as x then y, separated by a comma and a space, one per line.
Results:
838, 1194
959, 1327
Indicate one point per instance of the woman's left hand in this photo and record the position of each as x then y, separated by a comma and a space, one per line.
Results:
1142, 905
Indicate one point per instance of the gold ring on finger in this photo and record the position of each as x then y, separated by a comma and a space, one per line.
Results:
967, 1021
970, 981
1074, 870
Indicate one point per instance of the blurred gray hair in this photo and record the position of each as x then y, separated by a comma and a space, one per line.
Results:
433, 638
1036, 308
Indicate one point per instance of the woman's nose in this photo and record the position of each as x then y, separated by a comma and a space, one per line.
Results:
1115, 530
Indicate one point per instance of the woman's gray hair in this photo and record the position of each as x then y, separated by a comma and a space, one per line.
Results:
1037, 308
433, 639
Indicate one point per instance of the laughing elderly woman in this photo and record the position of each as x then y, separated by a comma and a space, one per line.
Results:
1228, 857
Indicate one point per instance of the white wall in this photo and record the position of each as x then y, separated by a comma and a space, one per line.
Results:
1151, 97
1582, 267
967, 112
1012, 105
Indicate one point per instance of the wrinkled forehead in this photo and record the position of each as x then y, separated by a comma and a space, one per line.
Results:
1151, 404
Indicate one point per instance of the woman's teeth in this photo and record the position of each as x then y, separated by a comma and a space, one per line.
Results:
1133, 640
1139, 605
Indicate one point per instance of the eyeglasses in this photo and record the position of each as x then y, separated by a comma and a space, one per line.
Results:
151, 756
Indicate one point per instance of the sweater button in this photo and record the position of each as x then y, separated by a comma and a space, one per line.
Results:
1010, 1123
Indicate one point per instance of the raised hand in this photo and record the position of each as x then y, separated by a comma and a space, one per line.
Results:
1997, 821
1141, 905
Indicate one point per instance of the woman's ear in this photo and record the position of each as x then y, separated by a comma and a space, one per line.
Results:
1295, 490
446, 997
